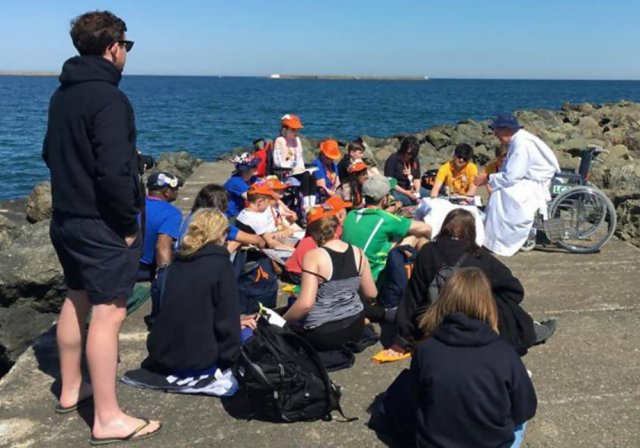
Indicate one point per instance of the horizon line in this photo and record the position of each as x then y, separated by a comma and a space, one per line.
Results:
49, 73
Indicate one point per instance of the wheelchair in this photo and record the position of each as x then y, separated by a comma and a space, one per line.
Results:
580, 218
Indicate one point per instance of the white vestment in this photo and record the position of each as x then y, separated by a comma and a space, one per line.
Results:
519, 190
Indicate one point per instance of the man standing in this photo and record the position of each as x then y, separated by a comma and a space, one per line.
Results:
519, 189
90, 149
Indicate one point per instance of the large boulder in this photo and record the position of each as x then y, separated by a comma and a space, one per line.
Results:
628, 211
19, 327
30, 272
179, 163
39, 205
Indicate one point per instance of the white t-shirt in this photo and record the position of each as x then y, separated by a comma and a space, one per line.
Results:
260, 222
285, 156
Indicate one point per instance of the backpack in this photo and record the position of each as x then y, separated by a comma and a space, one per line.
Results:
257, 281
395, 276
438, 281
263, 149
283, 377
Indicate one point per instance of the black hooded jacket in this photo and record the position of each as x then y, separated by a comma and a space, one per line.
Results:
514, 323
90, 146
199, 323
469, 386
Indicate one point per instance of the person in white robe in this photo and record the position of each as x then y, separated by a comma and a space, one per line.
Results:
519, 189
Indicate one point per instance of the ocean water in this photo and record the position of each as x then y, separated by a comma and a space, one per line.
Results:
208, 116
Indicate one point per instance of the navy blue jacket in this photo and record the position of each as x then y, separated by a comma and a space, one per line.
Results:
470, 386
90, 146
199, 323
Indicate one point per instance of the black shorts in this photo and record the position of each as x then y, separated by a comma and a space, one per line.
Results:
95, 258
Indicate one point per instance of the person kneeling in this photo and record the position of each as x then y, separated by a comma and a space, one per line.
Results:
198, 330
334, 277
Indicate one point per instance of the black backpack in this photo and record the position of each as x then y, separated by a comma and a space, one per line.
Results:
438, 281
283, 377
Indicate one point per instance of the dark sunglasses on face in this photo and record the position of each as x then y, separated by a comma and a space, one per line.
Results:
463, 158
127, 44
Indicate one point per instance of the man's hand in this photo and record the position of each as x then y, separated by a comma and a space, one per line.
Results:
481, 179
129, 240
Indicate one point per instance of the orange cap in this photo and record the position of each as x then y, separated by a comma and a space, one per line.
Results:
330, 149
291, 121
337, 203
274, 183
320, 211
257, 188
357, 165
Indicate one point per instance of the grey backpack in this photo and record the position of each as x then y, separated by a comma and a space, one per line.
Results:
436, 285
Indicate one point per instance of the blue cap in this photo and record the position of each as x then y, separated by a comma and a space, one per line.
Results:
505, 121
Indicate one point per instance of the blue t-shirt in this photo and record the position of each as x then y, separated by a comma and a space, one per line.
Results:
232, 234
236, 186
161, 217
322, 173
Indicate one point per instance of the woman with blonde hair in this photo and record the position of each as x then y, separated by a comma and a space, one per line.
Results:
466, 386
197, 330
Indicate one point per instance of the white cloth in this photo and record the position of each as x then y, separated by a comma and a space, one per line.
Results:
434, 210
260, 222
519, 190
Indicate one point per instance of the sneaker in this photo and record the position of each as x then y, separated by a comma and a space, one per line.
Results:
544, 330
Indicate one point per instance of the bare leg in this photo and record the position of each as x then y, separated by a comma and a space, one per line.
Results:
70, 333
102, 354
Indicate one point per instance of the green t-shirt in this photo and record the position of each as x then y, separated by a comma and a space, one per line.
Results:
374, 231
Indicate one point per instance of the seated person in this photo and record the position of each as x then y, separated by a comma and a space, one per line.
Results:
284, 216
351, 188
293, 267
466, 386
288, 158
238, 184
327, 173
495, 165
257, 218
162, 229
377, 231
334, 278
355, 152
457, 174
216, 197
199, 327
457, 237
404, 167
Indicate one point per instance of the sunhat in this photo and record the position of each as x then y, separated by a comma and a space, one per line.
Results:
330, 149
291, 121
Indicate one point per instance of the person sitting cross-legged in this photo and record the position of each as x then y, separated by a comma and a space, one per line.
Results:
334, 278
376, 231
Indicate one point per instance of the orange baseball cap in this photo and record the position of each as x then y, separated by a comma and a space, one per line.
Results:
262, 189
356, 166
274, 183
330, 149
291, 121
337, 203
319, 212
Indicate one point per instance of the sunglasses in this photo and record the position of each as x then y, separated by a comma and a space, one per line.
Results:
463, 158
127, 44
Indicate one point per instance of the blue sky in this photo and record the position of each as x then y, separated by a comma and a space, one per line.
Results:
531, 39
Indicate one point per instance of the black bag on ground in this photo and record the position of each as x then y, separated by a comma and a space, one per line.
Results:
283, 377
257, 281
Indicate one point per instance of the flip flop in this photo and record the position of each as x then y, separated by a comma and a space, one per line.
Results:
129, 438
383, 358
62, 410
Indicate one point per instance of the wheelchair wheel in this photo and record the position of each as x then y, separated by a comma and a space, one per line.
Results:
581, 219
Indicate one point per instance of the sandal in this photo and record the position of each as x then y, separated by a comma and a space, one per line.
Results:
128, 438
60, 410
